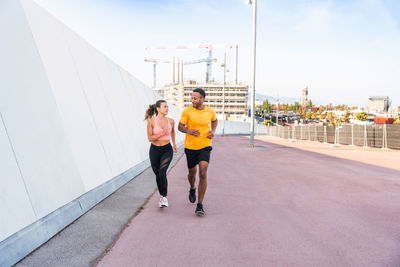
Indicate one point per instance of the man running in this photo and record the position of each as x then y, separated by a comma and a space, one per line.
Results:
199, 124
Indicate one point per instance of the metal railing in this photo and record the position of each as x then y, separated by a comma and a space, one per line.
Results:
377, 135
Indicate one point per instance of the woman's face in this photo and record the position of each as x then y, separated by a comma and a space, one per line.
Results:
163, 109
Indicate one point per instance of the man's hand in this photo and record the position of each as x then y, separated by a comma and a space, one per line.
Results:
193, 132
210, 135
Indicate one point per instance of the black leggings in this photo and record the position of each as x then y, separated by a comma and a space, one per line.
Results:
160, 158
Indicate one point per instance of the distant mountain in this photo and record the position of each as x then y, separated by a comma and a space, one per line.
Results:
272, 99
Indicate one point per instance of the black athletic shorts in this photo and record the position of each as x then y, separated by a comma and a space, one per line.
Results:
193, 157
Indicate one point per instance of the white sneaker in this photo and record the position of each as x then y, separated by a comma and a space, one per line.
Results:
165, 202
161, 202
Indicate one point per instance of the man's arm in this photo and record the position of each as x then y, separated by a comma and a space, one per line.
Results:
182, 128
214, 125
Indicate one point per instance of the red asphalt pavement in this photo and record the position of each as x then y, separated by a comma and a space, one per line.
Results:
275, 205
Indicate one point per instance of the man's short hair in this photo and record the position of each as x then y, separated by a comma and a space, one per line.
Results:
200, 91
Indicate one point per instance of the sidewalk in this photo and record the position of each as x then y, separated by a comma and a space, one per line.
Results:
275, 205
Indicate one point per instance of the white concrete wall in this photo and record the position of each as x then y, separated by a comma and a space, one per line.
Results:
70, 120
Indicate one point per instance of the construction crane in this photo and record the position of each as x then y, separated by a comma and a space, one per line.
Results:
190, 62
155, 62
209, 47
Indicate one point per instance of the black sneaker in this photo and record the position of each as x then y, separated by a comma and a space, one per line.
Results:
192, 195
199, 209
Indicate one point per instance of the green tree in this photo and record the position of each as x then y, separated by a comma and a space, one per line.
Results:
330, 116
308, 115
346, 117
268, 122
362, 116
315, 116
266, 107
309, 104
296, 107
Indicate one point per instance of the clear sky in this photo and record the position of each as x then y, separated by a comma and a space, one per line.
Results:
343, 50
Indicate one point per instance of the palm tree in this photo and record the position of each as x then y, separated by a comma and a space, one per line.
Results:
309, 104
315, 116
266, 107
362, 116
296, 107
346, 117
330, 116
308, 115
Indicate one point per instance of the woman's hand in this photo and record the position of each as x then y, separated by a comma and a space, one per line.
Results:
175, 148
165, 130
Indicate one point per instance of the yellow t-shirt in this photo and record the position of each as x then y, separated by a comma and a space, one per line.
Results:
198, 120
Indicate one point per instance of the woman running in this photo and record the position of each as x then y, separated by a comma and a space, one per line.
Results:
160, 130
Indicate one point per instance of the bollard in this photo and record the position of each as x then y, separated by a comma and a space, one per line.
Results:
335, 144
301, 132
315, 134
365, 136
384, 138
293, 135
352, 135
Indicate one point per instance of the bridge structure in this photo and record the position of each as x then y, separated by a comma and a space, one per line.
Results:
76, 188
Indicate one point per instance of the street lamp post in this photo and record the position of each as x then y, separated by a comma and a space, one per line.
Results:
253, 84
223, 97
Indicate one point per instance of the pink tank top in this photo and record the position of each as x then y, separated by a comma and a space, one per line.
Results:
158, 130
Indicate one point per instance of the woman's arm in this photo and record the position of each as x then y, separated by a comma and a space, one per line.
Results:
150, 135
173, 135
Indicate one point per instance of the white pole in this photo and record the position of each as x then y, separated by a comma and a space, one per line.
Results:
236, 64
301, 132
384, 138
325, 137
223, 98
253, 87
365, 136
294, 132
182, 72
173, 70
315, 134
292, 138
352, 135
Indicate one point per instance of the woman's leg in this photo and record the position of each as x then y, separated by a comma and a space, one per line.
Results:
155, 159
165, 160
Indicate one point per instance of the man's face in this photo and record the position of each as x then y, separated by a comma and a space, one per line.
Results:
197, 100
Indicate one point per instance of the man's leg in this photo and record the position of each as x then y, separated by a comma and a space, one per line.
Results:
203, 166
192, 177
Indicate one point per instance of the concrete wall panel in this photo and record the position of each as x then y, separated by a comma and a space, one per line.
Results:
13, 197
52, 41
98, 104
31, 117
140, 107
121, 112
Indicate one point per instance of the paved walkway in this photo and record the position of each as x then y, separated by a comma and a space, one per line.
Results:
275, 205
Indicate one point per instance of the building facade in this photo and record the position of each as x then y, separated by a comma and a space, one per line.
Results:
236, 97
378, 104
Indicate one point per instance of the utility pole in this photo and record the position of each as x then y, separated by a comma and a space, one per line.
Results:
236, 64
223, 97
277, 110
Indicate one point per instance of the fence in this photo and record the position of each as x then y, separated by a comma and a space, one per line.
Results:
381, 136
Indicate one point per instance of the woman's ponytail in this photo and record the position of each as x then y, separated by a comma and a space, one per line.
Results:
151, 110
